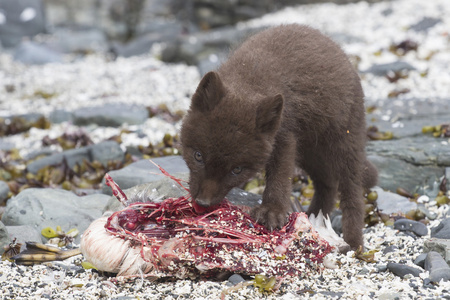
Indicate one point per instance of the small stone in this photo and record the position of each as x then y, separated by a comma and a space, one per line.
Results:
381, 268
420, 260
442, 231
425, 24
402, 270
418, 228
429, 214
437, 267
235, 279
389, 249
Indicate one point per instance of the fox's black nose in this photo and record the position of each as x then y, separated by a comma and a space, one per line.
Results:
203, 202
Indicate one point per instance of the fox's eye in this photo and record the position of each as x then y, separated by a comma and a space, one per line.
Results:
236, 170
198, 156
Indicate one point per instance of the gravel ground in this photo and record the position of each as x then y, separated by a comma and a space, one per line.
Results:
367, 32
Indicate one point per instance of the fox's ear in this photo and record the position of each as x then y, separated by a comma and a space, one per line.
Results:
209, 92
268, 114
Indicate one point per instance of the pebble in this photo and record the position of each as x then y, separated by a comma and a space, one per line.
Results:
437, 267
420, 260
235, 279
417, 228
402, 270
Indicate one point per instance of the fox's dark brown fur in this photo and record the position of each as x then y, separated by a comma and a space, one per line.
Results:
287, 97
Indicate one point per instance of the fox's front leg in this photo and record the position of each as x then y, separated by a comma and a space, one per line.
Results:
275, 207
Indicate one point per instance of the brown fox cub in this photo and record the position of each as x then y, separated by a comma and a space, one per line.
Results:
287, 97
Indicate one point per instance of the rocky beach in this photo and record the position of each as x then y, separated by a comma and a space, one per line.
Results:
79, 97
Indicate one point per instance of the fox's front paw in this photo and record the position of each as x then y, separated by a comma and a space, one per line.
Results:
269, 216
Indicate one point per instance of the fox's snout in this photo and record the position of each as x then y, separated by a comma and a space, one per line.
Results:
208, 193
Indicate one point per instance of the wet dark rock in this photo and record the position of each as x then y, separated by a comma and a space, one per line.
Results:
390, 249
336, 221
420, 260
389, 203
20, 19
402, 270
103, 152
32, 53
425, 24
441, 246
4, 190
384, 69
415, 227
442, 231
110, 115
40, 208
435, 264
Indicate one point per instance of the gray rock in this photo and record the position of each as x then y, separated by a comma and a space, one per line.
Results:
429, 214
4, 191
165, 188
412, 226
144, 171
60, 115
420, 260
441, 246
425, 24
235, 279
402, 270
149, 192
32, 53
24, 233
442, 231
79, 40
435, 264
40, 208
336, 221
389, 203
110, 115
384, 69
389, 249
106, 151
4, 237
24, 18
103, 152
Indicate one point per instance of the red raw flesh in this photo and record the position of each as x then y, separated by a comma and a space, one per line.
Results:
180, 240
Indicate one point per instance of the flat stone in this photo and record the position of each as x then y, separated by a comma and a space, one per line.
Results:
436, 265
402, 270
102, 152
144, 171
442, 231
425, 24
40, 208
113, 115
390, 249
441, 246
412, 226
390, 203
235, 279
384, 69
